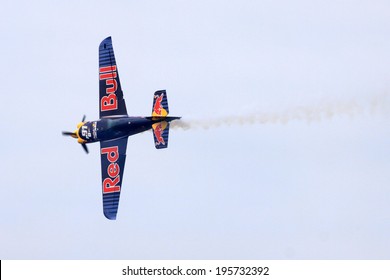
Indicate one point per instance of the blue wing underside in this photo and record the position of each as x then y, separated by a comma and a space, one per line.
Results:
113, 157
109, 82
112, 153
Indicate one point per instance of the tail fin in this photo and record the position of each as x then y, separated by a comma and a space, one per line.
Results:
160, 104
160, 134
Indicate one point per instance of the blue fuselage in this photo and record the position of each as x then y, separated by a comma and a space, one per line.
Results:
119, 127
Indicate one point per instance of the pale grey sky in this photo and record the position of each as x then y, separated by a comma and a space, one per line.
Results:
309, 188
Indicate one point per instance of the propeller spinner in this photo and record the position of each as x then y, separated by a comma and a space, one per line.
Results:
75, 134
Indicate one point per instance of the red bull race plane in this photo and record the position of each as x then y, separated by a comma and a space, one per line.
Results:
115, 126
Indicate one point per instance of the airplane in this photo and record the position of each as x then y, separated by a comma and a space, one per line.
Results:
115, 126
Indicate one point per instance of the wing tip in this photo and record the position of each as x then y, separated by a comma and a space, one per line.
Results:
110, 215
106, 41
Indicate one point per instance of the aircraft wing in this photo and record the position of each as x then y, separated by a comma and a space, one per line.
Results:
111, 102
113, 157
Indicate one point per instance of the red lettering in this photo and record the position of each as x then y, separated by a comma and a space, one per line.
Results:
114, 86
112, 153
110, 185
109, 102
107, 69
109, 75
113, 170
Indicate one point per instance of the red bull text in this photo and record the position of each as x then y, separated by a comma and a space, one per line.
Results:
112, 183
109, 102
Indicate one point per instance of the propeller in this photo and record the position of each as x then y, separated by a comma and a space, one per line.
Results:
68, 133
85, 147
74, 135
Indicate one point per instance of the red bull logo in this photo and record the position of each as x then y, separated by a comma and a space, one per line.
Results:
158, 133
111, 183
158, 129
157, 105
109, 74
158, 109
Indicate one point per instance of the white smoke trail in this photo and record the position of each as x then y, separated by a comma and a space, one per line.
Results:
379, 103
